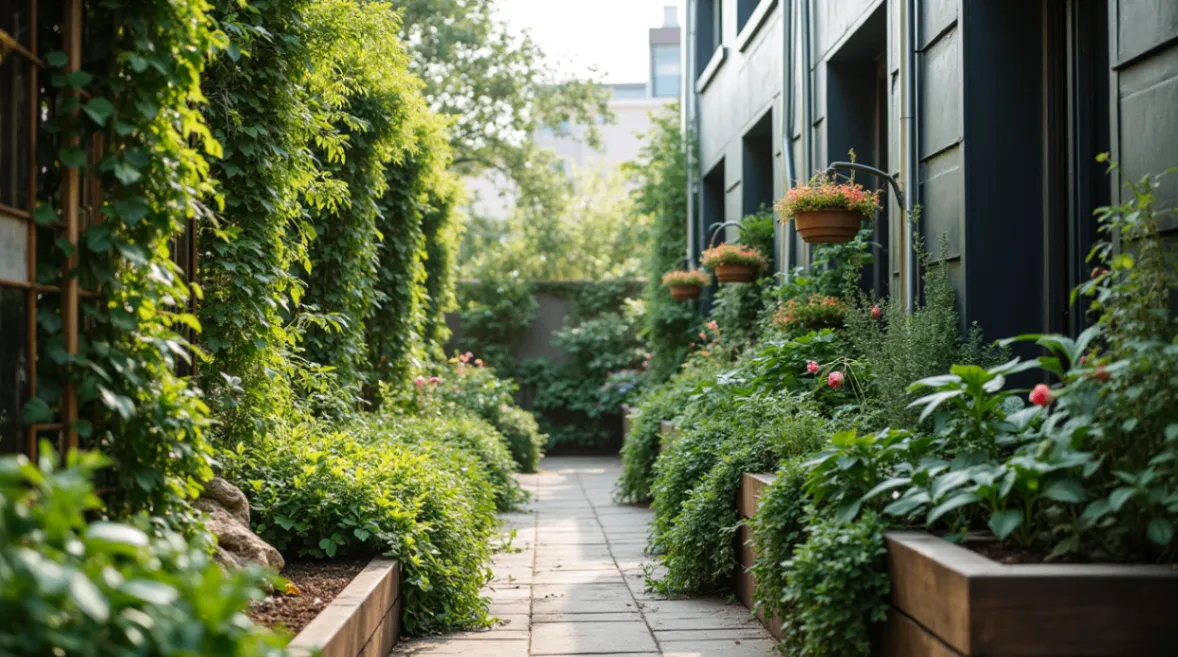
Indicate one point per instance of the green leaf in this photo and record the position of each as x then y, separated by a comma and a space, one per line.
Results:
149, 591
111, 533
99, 109
126, 174
116, 402
44, 214
72, 157
131, 210
1065, 490
1118, 497
1160, 531
1003, 523
36, 411
955, 501
894, 482
57, 59
847, 512
89, 599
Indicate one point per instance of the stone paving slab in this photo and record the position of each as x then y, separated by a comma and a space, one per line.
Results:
574, 583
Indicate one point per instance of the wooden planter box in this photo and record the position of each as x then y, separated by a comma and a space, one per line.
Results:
751, 487
364, 620
669, 433
948, 601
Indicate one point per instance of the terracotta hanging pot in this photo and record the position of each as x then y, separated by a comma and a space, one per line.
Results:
685, 292
735, 273
828, 226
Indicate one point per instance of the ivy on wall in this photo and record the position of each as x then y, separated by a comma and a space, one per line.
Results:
141, 76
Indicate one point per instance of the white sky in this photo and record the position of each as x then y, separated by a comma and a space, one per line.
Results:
608, 34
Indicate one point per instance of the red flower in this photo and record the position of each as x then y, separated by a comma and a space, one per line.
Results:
419, 381
703, 336
1041, 395
835, 379
876, 313
1097, 272
812, 367
434, 380
714, 326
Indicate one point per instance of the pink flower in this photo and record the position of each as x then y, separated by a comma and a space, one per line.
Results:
434, 380
419, 381
1041, 395
466, 357
478, 362
876, 313
835, 379
646, 355
703, 336
812, 367
714, 326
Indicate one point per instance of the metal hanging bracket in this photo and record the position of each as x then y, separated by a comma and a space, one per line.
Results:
879, 173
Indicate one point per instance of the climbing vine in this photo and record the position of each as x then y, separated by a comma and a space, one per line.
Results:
129, 118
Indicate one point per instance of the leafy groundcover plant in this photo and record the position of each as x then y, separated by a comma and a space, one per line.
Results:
107, 589
376, 486
733, 254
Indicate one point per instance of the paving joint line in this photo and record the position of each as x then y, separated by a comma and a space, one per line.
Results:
609, 546
535, 553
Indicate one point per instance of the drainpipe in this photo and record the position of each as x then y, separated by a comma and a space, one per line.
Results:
787, 103
687, 125
807, 104
911, 171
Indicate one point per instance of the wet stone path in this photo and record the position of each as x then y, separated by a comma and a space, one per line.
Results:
572, 584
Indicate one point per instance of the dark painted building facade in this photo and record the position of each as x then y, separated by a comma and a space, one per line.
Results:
990, 113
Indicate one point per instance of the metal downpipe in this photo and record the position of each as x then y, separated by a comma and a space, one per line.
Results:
912, 151
787, 104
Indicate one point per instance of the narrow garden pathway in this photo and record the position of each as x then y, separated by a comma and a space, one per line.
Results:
573, 582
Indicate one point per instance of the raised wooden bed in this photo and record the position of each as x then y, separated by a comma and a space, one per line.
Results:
364, 620
751, 487
668, 433
948, 601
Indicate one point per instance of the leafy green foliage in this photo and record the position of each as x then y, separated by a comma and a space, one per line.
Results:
837, 589
523, 436
660, 175
660, 404
495, 312
107, 589
388, 486
737, 311
141, 76
766, 428
779, 526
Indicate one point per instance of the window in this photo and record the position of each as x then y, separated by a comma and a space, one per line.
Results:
665, 73
709, 32
744, 10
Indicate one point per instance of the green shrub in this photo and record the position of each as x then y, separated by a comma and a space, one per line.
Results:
737, 312
641, 448
320, 491
698, 547
777, 529
463, 430
837, 589
106, 589
523, 436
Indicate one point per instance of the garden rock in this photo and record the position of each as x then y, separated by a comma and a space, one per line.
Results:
229, 520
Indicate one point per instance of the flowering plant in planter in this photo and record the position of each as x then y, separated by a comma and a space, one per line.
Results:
813, 313
686, 284
734, 263
826, 211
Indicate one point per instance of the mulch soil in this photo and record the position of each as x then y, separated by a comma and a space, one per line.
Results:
317, 583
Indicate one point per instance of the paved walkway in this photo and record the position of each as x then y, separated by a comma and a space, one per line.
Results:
573, 584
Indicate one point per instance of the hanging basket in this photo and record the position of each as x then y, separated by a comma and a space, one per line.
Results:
828, 226
685, 292
735, 273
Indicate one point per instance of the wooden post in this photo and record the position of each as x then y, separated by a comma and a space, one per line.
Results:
70, 202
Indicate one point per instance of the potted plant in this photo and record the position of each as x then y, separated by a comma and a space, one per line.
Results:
734, 263
826, 212
685, 285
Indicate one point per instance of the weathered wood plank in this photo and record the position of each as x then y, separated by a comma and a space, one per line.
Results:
751, 487
357, 616
901, 637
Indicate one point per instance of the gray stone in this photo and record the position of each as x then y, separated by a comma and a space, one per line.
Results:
228, 519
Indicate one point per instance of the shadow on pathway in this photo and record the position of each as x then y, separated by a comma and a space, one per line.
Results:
574, 584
